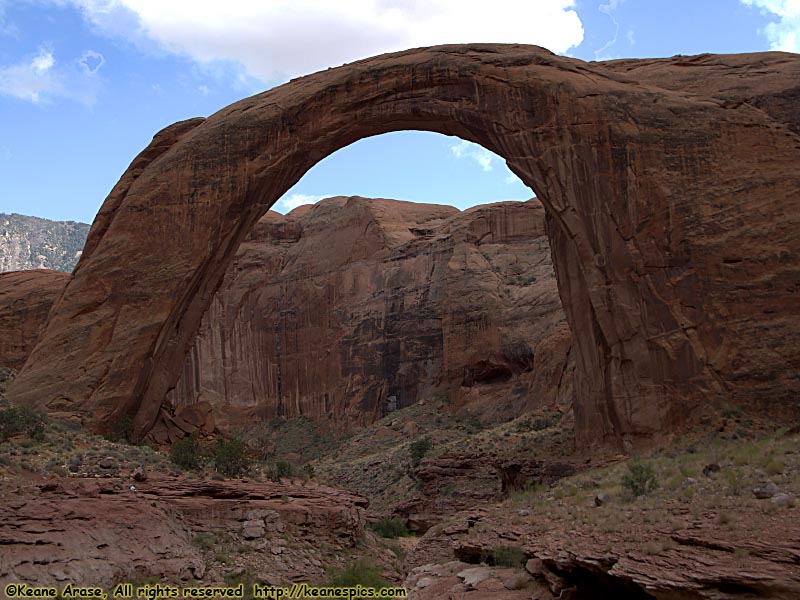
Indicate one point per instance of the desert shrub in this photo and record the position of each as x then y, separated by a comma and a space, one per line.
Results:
735, 479
21, 419
205, 540
122, 430
360, 572
230, 457
245, 578
640, 479
541, 423
419, 449
774, 466
506, 556
308, 469
282, 469
473, 424
390, 528
186, 453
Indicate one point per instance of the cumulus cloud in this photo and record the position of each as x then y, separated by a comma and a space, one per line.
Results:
39, 78
479, 154
285, 38
292, 201
32, 78
783, 32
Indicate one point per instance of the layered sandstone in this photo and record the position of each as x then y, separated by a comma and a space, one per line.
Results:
25, 301
353, 308
671, 191
107, 531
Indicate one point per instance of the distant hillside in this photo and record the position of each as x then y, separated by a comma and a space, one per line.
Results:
34, 243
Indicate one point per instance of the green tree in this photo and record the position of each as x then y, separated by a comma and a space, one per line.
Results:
230, 457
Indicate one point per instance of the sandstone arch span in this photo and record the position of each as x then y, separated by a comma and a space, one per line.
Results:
672, 214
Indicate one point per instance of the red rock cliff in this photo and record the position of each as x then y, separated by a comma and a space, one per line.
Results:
353, 307
25, 301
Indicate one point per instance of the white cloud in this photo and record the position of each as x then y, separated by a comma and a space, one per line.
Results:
278, 39
479, 154
292, 201
43, 62
609, 9
31, 78
39, 79
91, 61
5, 28
783, 33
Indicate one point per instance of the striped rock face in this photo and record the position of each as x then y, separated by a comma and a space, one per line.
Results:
672, 191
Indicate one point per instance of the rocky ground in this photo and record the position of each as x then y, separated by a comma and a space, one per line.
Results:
707, 516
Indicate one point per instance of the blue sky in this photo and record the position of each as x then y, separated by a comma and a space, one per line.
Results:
84, 84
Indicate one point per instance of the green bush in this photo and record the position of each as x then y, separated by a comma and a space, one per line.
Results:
360, 572
205, 540
122, 430
390, 528
507, 556
640, 479
282, 469
19, 419
419, 449
186, 453
541, 423
230, 457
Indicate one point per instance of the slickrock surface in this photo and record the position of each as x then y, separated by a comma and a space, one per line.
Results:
673, 204
623, 553
25, 301
101, 532
353, 308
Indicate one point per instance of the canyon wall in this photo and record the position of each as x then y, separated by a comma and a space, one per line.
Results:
25, 301
349, 309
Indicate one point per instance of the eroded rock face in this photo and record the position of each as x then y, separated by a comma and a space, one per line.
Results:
673, 204
353, 308
103, 532
25, 301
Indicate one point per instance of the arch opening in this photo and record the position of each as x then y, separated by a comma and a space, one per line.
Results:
353, 307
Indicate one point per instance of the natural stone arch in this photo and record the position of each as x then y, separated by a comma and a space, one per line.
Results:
631, 175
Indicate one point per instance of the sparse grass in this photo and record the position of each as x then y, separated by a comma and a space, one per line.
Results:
390, 528
361, 572
506, 556
774, 466
526, 495
205, 540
